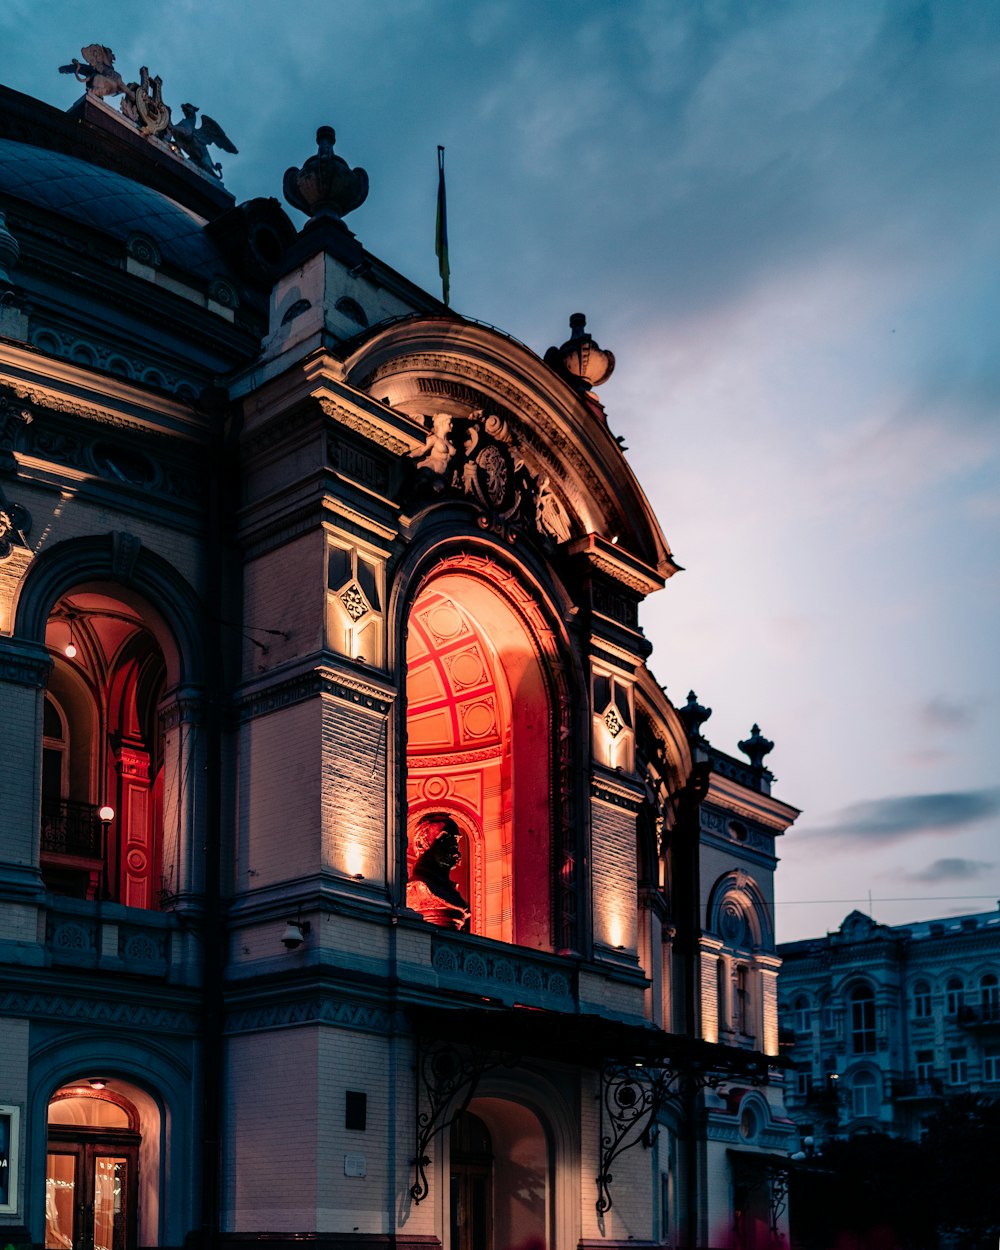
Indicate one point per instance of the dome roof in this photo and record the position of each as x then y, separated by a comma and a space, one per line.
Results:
108, 202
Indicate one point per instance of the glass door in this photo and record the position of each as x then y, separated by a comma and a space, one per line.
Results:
90, 1197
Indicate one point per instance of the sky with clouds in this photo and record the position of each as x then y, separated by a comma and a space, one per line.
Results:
783, 216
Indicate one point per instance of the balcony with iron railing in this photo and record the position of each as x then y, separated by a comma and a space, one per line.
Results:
73, 848
913, 1089
980, 1015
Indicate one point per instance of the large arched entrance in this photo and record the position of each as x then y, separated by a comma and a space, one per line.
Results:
480, 751
92, 1169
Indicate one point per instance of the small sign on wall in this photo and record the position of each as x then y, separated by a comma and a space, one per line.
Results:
355, 1165
10, 1140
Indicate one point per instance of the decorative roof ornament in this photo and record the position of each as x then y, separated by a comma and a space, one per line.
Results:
756, 747
96, 71
580, 360
326, 187
143, 106
693, 715
194, 140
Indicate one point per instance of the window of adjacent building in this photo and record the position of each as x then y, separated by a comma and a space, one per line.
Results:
989, 996
953, 996
864, 1094
744, 1018
991, 1063
721, 976
803, 1082
958, 1065
802, 1009
922, 1000
826, 1015
862, 1020
925, 1066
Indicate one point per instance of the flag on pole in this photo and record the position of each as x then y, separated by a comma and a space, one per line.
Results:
441, 231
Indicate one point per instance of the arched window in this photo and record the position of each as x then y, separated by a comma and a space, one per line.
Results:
862, 1020
864, 1094
803, 1014
922, 1000
954, 994
481, 755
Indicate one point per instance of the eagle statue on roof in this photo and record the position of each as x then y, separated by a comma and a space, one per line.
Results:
194, 140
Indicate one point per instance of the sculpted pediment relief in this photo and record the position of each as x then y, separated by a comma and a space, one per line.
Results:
479, 457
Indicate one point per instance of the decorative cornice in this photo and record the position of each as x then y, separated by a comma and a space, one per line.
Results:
359, 1017
319, 681
606, 791
24, 663
76, 1009
352, 419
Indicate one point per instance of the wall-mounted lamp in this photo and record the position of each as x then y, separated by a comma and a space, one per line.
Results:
294, 934
106, 815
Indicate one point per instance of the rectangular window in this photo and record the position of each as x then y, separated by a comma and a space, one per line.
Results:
803, 1082
991, 1063
958, 1066
863, 1026
925, 1066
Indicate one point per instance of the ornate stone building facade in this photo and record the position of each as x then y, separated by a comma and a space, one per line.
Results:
359, 882
884, 1022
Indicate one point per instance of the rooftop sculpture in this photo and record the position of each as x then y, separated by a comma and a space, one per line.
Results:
143, 106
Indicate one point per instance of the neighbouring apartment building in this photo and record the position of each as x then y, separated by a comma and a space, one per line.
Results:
885, 1021
358, 882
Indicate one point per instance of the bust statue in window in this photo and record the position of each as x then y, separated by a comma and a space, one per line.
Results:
430, 890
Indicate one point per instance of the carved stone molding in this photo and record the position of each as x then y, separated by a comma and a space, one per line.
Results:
77, 1009
24, 663
360, 424
304, 686
535, 426
125, 550
362, 1017
605, 792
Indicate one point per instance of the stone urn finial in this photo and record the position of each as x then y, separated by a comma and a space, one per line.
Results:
756, 747
325, 187
583, 363
693, 715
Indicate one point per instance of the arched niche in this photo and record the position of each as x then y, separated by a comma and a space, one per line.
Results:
105, 686
483, 714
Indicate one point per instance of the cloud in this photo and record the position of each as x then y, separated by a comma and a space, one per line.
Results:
880, 822
951, 868
943, 713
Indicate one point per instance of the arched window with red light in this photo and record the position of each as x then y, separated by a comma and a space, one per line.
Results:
482, 754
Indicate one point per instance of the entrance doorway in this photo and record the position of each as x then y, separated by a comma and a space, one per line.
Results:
500, 1177
471, 1184
92, 1173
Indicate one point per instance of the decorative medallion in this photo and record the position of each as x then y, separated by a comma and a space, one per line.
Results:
354, 602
